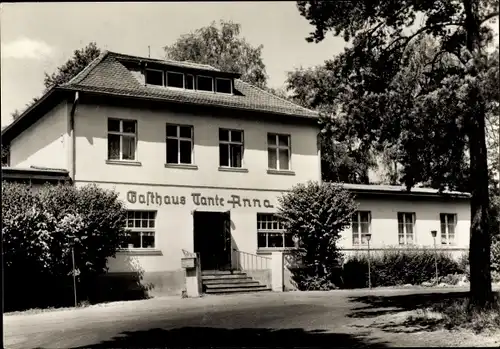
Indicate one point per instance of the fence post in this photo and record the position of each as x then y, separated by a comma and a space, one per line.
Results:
277, 271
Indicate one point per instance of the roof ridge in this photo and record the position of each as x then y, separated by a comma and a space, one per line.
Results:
164, 60
280, 98
86, 71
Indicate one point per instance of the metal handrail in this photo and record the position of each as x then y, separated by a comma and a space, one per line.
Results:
245, 261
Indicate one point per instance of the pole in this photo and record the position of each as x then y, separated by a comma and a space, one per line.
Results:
369, 268
435, 259
74, 276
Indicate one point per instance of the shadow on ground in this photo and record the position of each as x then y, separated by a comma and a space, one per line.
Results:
374, 306
381, 305
247, 337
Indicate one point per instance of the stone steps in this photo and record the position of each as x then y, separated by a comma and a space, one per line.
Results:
230, 281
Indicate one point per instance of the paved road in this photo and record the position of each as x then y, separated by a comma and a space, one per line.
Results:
333, 319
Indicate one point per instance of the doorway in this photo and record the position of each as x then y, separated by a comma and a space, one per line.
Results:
212, 239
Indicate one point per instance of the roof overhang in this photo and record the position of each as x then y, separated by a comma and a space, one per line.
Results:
33, 174
417, 193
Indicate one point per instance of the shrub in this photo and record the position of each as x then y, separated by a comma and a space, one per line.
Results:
397, 267
316, 214
40, 228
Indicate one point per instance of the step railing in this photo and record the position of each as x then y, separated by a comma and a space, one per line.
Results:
251, 261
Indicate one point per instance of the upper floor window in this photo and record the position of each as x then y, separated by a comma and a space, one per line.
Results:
406, 228
361, 221
122, 139
179, 144
230, 148
278, 149
271, 232
140, 229
223, 85
175, 79
204, 83
448, 224
154, 77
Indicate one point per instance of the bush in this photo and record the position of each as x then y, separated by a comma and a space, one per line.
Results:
316, 214
40, 228
397, 267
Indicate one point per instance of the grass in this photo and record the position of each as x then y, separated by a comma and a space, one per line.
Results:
455, 314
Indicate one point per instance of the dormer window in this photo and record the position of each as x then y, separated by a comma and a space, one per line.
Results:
175, 79
205, 83
223, 85
154, 77
189, 82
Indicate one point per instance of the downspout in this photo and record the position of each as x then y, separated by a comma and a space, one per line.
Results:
73, 138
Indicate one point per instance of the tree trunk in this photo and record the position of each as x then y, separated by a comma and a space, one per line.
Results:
480, 241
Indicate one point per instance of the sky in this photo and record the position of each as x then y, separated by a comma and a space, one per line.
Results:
39, 37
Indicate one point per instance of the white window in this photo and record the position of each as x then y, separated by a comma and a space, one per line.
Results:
122, 139
154, 77
278, 150
448, 224
140, 229
175, 79
406, 228
179, 144
361, 227
230, 148
223, 85
271, 233
204, 83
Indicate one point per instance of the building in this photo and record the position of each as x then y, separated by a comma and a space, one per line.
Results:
200, 158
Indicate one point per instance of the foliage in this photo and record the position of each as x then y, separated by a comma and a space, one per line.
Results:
40, 229
221, 48
397, 267
316, 214
437, 114
81, 58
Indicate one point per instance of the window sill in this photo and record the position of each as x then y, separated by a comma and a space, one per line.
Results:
182, 166
281, 172
123, 162
269, 250
140, 252
233, 169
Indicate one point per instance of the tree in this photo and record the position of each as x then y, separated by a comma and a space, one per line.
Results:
221, 48
343, 158
81, 58
450, 101
316, 214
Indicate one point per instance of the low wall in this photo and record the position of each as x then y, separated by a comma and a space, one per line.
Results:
263, 276
130, 285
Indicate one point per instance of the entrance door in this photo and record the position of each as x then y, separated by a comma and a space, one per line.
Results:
212, 239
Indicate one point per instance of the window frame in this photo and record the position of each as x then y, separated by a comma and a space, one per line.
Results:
404, 224
179, 139
277, 148
121, 134
446, 241
359, 233
280, 230
231, 142
205, 76
194, 82
175, 72
230, 85
141, 230
163, 76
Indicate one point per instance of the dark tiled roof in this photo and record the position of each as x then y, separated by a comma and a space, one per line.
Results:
107, 74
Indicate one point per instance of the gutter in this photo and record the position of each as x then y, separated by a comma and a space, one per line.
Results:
72, 151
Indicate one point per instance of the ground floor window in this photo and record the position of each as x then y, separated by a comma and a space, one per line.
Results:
406, 228
140, 229
271, 233
448, 224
